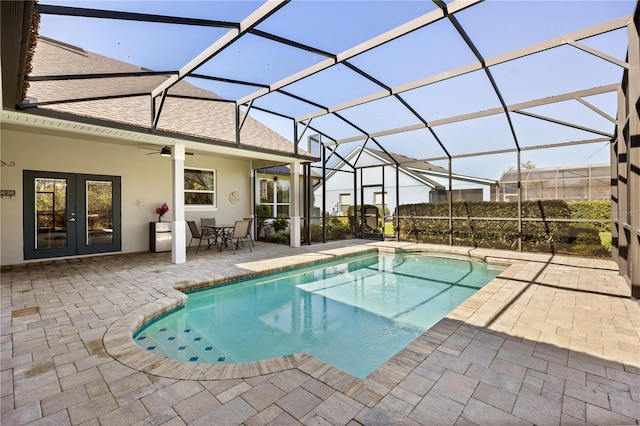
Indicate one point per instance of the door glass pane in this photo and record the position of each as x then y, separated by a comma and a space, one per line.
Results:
99, 212
51, 213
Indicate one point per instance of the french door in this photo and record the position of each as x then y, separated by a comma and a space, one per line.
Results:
67, 214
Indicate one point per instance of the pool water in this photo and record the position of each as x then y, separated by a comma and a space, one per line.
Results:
354, 314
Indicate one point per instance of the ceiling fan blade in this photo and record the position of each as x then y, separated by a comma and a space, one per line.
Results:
159, 151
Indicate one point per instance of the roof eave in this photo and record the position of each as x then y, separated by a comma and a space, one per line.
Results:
16, 19
39, 117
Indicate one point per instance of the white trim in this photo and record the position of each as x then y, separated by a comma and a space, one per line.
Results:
199, 207
121, 135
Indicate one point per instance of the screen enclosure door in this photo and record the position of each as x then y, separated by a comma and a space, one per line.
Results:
68, 214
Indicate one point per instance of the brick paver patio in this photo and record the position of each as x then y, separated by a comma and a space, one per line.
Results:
553, 340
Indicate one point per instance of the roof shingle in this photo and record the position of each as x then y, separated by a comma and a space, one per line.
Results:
131, 105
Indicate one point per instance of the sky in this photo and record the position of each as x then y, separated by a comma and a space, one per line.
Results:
495, 27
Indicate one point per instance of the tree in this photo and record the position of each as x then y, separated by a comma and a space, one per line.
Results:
526, 165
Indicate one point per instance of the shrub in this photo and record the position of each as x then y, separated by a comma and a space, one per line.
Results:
429, 222
316, 232
279, 224
338, 232
263, 212
583, 235
593, 210
337, 220
413, 223
281, 237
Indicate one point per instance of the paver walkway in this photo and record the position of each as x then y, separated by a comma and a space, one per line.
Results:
553, 340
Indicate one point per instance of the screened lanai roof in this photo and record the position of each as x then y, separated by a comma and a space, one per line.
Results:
431, 81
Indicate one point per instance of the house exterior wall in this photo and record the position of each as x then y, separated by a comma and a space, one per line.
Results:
411, 190
143, 177
467, 188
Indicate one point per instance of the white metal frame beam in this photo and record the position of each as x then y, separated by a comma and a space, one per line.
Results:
390, 35
577, 95
263, 12
476, 66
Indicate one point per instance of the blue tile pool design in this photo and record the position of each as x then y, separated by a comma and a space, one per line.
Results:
354, 314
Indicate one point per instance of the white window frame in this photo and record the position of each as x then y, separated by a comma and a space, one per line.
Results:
383, 198
264, 192
347, 195
202, 207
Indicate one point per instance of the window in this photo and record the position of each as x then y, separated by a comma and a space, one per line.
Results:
199, 187
379, 198
345, 202
282, 198
275, 194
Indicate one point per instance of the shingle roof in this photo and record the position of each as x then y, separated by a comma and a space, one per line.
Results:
206, 117
407, 161
284, 170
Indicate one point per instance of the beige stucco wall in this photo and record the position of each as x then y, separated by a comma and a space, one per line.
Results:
144, 177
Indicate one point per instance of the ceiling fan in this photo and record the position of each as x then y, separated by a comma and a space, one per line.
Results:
165, 151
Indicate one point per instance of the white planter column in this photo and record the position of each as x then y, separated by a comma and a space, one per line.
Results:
178, 226
294, 205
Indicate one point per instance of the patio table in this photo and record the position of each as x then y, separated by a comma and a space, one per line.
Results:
219, 232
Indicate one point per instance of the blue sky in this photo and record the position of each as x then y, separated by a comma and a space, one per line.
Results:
495, 27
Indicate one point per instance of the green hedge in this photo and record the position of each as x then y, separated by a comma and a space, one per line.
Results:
579, 237
336, 230
593, 210
503, 233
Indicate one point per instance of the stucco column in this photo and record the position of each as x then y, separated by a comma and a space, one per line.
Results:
178, 225
294, 205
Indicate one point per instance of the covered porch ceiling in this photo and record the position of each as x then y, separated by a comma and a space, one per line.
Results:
427, 80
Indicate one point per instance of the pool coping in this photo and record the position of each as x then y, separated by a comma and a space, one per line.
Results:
119, 344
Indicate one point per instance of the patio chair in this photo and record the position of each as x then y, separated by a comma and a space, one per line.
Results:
238, 235
207, 221
196, 234
208, 224
250, 219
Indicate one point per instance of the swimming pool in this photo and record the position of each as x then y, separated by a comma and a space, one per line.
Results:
354, 314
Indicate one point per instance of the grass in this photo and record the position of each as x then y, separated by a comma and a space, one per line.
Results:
605, 239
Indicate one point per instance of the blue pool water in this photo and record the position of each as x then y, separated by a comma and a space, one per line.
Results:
353, 314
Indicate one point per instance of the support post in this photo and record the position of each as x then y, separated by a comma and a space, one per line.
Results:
519, 201
308, 201
324, 191
178, 225
632, 225
294, 205
356, 211
396, 218
450, 203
